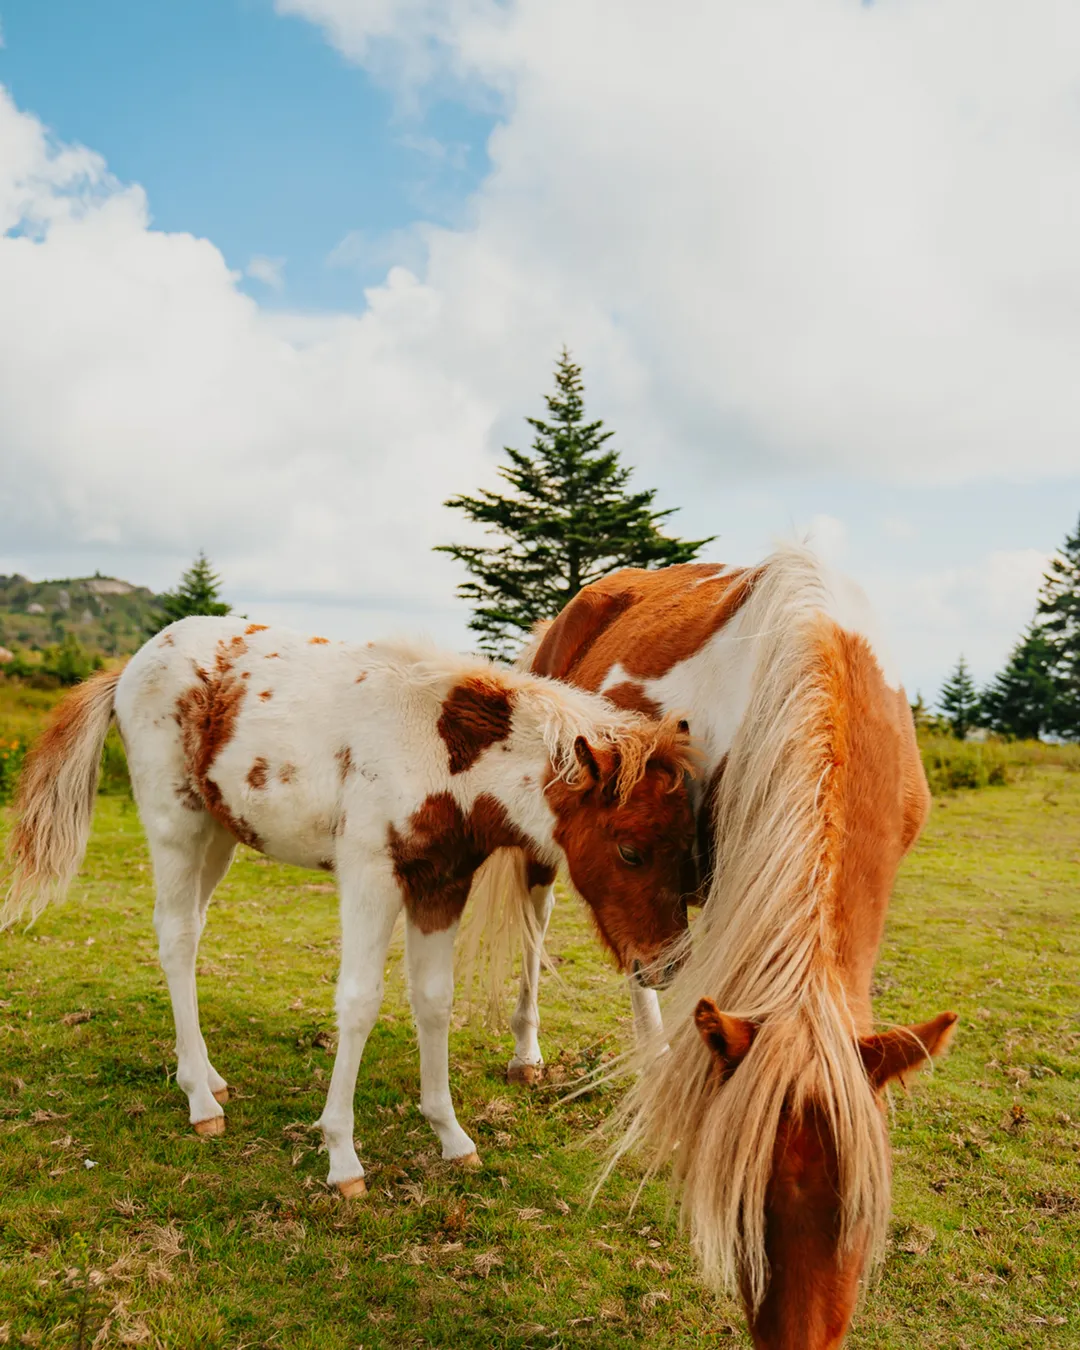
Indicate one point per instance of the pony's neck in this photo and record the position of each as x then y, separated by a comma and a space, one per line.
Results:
546, 722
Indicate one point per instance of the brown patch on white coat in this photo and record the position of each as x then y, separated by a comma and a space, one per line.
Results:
476, 714
644, 621
436, 857
207, 714
344, 762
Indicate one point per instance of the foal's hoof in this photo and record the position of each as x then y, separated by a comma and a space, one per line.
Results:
221, 1096
529, 1074
207, 1129
470, 1161
352, 1190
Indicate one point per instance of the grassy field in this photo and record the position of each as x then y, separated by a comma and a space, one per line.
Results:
171, 1241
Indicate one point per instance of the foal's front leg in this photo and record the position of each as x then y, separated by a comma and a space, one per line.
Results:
648, 1024
430, 958
370, 901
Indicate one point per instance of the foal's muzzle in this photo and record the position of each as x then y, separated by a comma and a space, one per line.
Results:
655, 975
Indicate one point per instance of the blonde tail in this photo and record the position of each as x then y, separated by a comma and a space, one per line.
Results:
55, 800
498, 919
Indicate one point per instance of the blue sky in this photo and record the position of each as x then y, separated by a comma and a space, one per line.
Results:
246, 127
315, 262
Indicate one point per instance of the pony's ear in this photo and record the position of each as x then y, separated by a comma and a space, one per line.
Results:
891, 1054
728, 1038
587, 761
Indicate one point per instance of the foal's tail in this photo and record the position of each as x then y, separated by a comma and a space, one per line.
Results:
55, 800
499, 919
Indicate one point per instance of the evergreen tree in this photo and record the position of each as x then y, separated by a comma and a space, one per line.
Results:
959, 700
1021, 700
197, 593
925, 720
1059, 609
570, 520
69, 661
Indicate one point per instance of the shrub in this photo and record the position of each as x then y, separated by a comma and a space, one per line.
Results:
12, 753
952, 764
24, 711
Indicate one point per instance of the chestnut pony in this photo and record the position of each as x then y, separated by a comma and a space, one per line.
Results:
769, 1104
399, 769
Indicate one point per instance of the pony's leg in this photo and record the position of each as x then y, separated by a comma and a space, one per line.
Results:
216, 861
430, 959
648, 1024
370, 902
527, 1064
178, 855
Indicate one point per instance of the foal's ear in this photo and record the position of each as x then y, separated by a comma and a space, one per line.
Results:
903, 1049
728, 1038
588, 762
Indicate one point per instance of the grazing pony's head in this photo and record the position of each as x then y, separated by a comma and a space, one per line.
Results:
625, 825
815, 1260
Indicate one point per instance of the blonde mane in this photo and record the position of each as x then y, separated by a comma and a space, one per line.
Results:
764, 949
551, 710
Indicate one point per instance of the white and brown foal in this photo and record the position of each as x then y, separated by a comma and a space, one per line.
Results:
397, 768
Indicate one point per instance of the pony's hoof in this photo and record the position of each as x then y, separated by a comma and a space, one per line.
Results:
529, 1074
221, 1096
352, 1190
470, 1161
207, 1129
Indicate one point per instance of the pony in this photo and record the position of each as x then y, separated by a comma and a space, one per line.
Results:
399, 769
768, 1102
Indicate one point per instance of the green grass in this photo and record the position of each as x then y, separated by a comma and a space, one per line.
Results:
173, 1241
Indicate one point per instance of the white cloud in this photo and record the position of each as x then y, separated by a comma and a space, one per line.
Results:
148, 407
978, 610
824, 242
828, 536
841, 234
363, 251
270, 271
899, 527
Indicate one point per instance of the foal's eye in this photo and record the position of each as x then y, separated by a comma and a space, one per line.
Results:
630, 856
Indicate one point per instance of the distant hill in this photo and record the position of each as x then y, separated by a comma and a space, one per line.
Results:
106, 614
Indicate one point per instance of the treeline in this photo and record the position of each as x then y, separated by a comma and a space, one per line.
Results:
1037, 694
69, 661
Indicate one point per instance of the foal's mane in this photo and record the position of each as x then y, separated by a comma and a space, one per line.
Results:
554, 713
764, 949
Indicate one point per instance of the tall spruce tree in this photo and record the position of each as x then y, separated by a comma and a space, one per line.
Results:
959, 700
198, 593
1059, 611
1021, 701
570, 519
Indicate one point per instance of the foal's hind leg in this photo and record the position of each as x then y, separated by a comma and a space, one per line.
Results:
180, 852
216, 861
527, 1066
370, 902
430, 958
